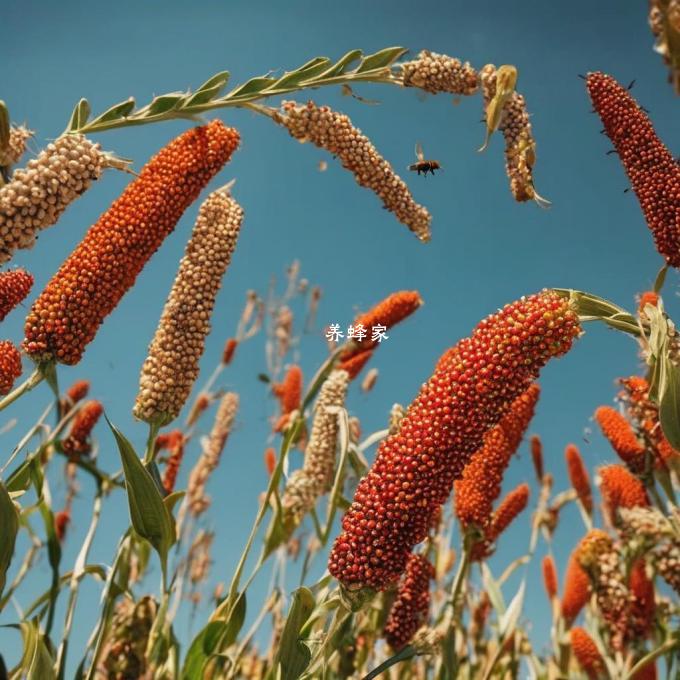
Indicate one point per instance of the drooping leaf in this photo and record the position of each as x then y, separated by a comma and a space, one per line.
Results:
148, 514
9, 527
293, 655
381, 59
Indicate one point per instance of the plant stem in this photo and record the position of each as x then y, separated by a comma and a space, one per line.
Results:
33, 381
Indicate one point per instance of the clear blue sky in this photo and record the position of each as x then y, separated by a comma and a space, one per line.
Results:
486, 250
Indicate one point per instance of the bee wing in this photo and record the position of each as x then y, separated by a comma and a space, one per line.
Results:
419, 152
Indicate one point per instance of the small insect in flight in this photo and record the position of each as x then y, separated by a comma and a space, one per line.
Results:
421, 165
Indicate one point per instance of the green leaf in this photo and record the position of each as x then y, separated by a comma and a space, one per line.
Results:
252, 86
4, 126
660, 279
215, 637
203, 96
381, 59
306, 72
593, 308
149, 515
201, 649
172, 500
342, 64
20, 479
41, 666
9, 527
669, 402
218, 80
117, 111
293, 655
163, 104
79, 116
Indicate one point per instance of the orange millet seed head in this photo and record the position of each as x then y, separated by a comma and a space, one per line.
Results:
472, 388
410, 608
653, 172
578, 475
587, 654
289, 391
649, 297
537, 456
577, 587
174, 461
10, 366
510, 507
79, 390
61, 521
549, 576
270, 460
388, 312
480, 484
621, 489
78, 440
355, 363
229, 349
15, 285
104, 266
622, 437
643, 607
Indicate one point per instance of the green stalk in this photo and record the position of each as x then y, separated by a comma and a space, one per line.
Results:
33, 381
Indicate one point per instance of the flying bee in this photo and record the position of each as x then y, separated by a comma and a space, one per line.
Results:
421, 165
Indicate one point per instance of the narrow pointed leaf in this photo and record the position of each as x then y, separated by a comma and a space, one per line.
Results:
79, 116
381, 59
308, 71
117, 111
218, 80
253, 86
508, 621
669, 402
9, 527
343, 63
148, 514
164, 103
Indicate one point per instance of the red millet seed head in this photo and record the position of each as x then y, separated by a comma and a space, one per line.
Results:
270, 460
289, 392
577, 587
388, 312
622, 437
355, 363
410, 608
79, 390
174, 461
578, 476
15, 285
647, 298
549, 576
229, 349
472, 387
10, 366
510, 507
480, 484
61, 521
103, 267
587, 654
78, 440
537, 456
621, 489
653, 172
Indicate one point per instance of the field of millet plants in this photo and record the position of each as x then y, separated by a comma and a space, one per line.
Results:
418, 549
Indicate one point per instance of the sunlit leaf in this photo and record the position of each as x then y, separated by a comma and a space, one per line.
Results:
343, 63
252, 86
218, 80
669, 402
148, 514
293, 655
117, 111
80, 115
305, 72
508, 621
9, 526
381, 59
163, 104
